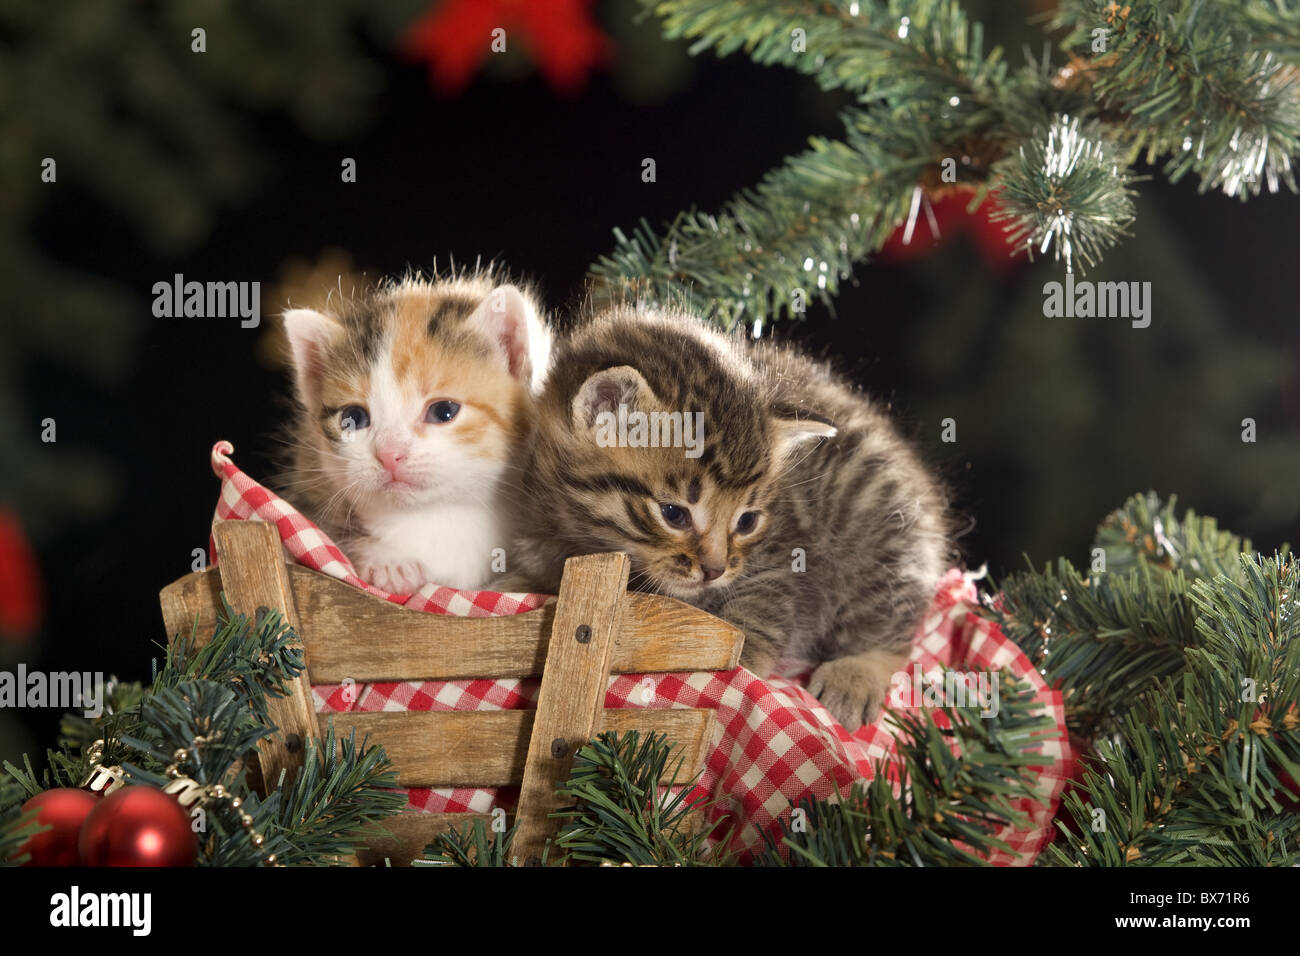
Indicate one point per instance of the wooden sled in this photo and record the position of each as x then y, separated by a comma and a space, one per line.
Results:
596, 628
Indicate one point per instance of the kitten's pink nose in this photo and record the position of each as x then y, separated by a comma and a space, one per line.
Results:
710, 572
390, 457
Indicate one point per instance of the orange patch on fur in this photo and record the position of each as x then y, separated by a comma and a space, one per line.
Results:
457, 366
414, 351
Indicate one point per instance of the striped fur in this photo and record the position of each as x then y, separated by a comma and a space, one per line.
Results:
865, 514
410, 499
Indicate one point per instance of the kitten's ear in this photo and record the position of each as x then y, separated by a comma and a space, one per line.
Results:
309, 333
790, 434
511, 322
608, 389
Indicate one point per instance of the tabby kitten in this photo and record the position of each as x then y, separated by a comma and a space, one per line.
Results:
803, 516
415, 400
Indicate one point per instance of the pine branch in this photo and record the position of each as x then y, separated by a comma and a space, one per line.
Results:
1275, 26
1192, 776
944, 808
21, 783
794, 238
1106, 637
69, 765
327, 812
769, 252
343, 790
122, 702
1144, 533
203, 730
254, 659
898, 50
621, 814
625, 812
470, 845
1068, 190
1186, 79
16, 827
227, 842
257, 658
210, 722
1101, 640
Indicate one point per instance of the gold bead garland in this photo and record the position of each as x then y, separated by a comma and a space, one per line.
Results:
186, 790
189, 791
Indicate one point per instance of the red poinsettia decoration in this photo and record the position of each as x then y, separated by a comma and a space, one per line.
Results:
456, 36
20, 581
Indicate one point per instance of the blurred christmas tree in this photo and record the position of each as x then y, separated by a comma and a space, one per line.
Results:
126, 109
123, 111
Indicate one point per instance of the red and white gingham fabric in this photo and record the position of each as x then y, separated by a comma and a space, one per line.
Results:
773, 743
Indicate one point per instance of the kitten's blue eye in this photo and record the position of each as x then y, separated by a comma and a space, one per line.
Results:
676, 516
745, 523
440, 412
354, 417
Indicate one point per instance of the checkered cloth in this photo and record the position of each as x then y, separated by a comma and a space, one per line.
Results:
773, 743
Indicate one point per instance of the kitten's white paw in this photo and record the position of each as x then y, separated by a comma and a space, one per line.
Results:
855, 688
405, 577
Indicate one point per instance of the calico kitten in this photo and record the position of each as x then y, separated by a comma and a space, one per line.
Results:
415, 400
802, 516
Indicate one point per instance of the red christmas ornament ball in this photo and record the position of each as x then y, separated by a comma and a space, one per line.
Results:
21, 592
137, 826
64, 810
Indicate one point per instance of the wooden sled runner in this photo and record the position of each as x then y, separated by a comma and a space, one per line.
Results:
595, 629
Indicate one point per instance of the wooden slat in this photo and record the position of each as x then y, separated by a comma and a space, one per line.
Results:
408, 834
588, 618
197, 593
489, 748
349, 633
399, 840
254, 575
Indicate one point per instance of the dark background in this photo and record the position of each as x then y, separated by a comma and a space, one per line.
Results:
1058, 422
